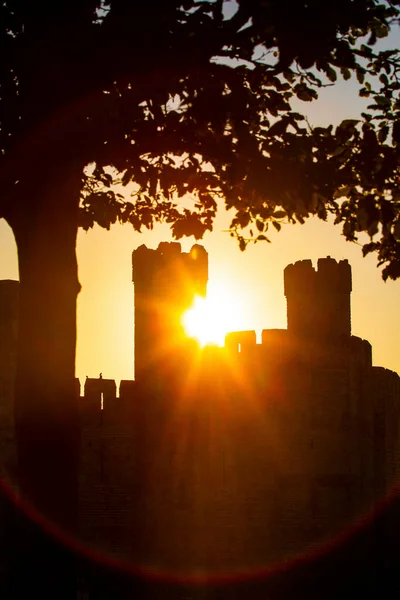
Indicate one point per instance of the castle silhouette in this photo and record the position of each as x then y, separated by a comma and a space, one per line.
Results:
232, 459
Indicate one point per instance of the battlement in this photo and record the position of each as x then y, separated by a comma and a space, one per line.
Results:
100, 405
169, 263
318, 300
330, 276
281, 347
100, 388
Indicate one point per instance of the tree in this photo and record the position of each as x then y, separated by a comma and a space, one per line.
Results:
185, 99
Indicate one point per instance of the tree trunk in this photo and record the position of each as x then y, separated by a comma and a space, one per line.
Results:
46, 403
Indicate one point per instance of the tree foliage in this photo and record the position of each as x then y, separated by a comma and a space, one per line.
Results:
193, 103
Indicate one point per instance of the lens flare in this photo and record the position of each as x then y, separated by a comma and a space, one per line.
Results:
209, 319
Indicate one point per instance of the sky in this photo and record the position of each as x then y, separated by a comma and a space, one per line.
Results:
251, 281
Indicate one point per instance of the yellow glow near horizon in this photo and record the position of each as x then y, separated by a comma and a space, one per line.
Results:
209, 319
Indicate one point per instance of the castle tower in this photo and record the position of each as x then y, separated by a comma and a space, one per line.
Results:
166, 281
318, 300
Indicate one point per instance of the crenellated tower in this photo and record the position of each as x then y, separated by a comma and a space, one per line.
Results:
318, 300
166, 281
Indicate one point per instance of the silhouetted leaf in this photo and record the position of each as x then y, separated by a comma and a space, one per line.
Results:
331, 73
383, 79
343, 190
360, 73
383, 133
242, 244
346, 74
276, 225
278, 127
373, 228
259, 225
305, 93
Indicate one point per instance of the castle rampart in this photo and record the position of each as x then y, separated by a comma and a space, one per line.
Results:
238, 455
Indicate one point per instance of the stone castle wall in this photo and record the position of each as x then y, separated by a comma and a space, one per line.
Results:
253, 461
230, 458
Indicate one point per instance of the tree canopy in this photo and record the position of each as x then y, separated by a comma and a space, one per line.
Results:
193, 102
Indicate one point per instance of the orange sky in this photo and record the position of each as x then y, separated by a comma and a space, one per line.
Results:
254, 278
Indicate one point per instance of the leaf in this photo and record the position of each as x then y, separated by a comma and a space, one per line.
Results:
381, 30
362, 219
262, 238
383, 133
297, 116
383, 79
278, 127
348, 231
276, 225
373, 228
242, 244
260, 225
396, 132
331, 73
348, 123
364, 93
279, 214
383, 102
367, 248
306, 94
289, 75
343, 190
346, 74
339, 150
360, 74
243, 219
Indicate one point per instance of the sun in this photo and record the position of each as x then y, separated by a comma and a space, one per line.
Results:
209, 319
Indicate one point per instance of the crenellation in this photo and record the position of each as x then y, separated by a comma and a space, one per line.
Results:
332, 275
127, 389
96, 393
318, 300
94, 389
240, 341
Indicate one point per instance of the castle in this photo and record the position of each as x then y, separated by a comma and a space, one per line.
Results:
229, 460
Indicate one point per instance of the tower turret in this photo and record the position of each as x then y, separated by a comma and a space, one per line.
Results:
318, 300
166, 281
